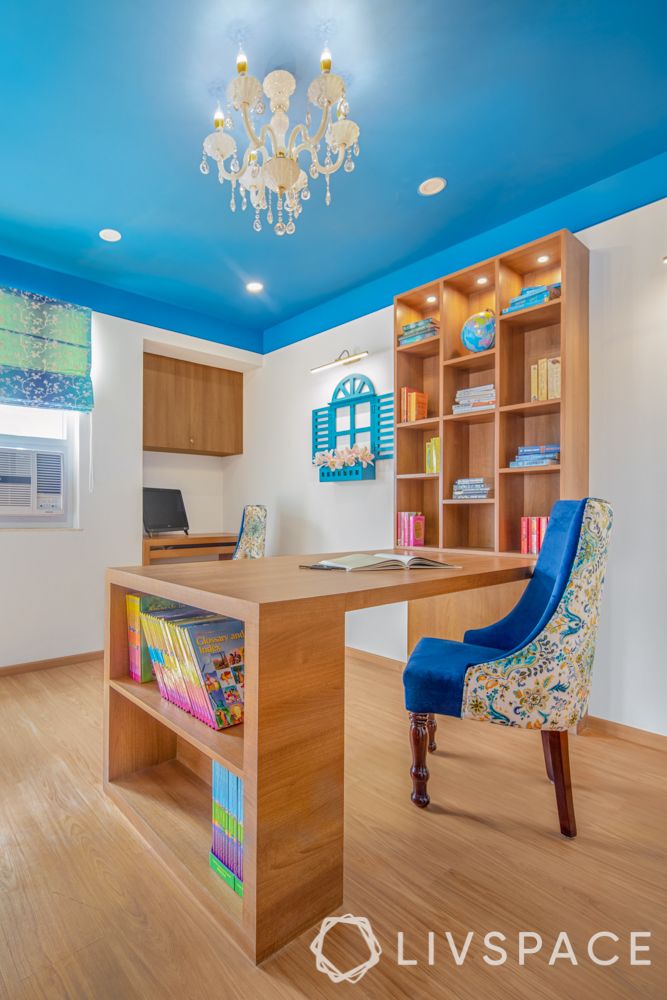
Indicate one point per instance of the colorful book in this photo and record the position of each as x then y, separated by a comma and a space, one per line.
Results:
227, 835
140, 663
525, 532
533, 384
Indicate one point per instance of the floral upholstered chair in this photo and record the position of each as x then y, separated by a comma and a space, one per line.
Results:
252, 536
532, 668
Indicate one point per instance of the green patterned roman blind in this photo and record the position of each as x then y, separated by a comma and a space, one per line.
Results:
44, 352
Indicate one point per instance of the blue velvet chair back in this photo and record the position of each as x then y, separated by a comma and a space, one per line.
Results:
541, 596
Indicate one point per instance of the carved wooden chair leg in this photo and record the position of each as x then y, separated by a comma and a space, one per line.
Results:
431, 725
419, 771
547, 755
560, 762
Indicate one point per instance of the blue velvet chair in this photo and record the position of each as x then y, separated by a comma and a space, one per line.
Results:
252, 536
532, 668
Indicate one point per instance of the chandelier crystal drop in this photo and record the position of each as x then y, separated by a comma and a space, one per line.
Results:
270, 165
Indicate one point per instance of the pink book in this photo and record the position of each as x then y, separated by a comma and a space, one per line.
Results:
417, 525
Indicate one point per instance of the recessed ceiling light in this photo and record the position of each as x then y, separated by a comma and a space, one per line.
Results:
664, 260
432, 185
254, 287
482, 281
110, 235
431, 298
543, 258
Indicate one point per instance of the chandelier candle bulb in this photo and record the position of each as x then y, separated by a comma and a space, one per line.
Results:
325, 60
241, 63
219, 118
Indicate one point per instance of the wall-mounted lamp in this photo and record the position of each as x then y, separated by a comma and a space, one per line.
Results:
344, 358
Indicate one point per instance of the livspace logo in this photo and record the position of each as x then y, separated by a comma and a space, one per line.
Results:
602, 948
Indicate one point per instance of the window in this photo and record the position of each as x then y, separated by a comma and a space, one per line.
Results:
38, 467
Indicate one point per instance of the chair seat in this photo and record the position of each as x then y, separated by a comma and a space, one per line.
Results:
435, 673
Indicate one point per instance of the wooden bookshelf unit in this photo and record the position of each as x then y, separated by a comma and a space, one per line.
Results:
484, 443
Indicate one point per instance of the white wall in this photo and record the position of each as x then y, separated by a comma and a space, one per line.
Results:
628, 466
305, 515
199, 477
628, 341
52, 580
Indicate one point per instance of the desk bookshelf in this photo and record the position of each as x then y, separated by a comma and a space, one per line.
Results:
290, 749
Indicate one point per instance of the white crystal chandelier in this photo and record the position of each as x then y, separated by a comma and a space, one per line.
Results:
270, 167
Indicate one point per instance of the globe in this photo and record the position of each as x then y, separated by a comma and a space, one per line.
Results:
479, 331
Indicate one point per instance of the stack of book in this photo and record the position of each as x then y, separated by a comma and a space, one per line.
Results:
410, 528
226, 856
413, 405
476, 399
533, 530
545, 379
432, 456
198, 658
536, 454
475, 488
533, 295
421, 330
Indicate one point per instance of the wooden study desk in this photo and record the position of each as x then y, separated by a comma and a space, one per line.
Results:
290, 749
179, 546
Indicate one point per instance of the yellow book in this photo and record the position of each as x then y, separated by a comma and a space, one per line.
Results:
533, 384
542, 379
436, 454
428, 463
553, 378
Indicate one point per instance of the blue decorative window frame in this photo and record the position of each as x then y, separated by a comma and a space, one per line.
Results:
352, 392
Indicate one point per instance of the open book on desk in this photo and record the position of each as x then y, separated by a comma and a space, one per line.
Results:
381, 560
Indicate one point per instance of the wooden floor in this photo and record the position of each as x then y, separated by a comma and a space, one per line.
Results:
86, 912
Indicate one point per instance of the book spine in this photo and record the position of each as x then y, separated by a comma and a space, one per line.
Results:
538, 449
534, 390
133, 636
542, 379
553, 378
534, 535
418, 529
524, 536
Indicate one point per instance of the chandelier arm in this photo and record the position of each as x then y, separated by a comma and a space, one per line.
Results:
254, 138
299, 129
225, 174
336, 165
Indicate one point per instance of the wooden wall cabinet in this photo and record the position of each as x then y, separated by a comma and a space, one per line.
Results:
192, 408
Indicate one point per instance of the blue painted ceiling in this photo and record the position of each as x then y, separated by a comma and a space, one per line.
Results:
105, 106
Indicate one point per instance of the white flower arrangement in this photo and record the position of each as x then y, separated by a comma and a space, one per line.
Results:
340, 458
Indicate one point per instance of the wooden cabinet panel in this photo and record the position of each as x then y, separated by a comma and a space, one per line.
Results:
192, 408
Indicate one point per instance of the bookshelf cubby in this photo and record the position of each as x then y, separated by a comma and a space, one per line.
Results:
483, 444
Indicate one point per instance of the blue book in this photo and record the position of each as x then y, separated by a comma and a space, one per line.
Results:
421, 324
537, 449
530, 463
